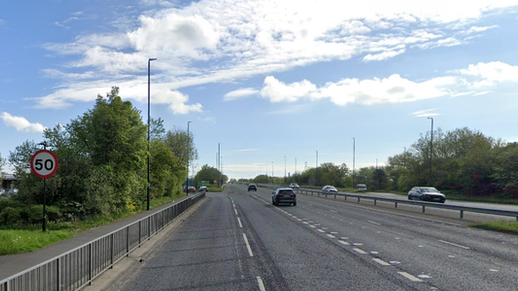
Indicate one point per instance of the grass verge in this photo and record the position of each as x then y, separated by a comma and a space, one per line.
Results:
501, 226
17, 239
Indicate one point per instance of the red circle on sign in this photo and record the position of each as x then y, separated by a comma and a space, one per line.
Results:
44, 163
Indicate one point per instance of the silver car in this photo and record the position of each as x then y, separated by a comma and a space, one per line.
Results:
426, 194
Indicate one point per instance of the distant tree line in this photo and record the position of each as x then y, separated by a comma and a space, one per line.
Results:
103, 162
460, 161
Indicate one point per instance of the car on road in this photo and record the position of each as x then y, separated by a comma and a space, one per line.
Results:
294, 186
191, 189
252, 187
361, 187
329, 189
203, 188
284, 195
426, 194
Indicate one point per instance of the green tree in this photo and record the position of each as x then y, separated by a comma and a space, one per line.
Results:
207, 173
182, 145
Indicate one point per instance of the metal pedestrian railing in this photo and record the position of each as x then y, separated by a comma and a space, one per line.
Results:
77, 268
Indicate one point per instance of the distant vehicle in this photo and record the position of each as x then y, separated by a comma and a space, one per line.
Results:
361, 187
191, 189
284, 195
426, 194
252, 187
329, 188
13, 191
294, 186
203, 188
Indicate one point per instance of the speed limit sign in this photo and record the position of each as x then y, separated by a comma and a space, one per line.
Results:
44, 163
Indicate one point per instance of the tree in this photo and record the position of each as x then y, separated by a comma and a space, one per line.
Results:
207, 173
182, 145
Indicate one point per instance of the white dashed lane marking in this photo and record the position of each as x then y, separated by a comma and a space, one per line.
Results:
410, 277
248, 245
454, 244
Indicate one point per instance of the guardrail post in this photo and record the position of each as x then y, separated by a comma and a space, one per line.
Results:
90, 264
375, 202
395, 206
423, 208
127, 241
335, 196
461, 214
112, 253
139, 233
345, 197
58, 275
358, 199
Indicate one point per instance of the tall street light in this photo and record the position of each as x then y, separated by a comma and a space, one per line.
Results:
148, 124
316, 170
354, 157
188, 155
431, 146
284, 169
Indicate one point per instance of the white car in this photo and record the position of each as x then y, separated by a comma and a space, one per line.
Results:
329, 188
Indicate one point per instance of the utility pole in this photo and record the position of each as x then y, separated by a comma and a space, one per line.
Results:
431, 147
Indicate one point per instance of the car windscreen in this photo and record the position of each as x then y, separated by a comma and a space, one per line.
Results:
283, 192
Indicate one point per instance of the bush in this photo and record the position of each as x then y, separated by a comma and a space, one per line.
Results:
36, 214
11, 215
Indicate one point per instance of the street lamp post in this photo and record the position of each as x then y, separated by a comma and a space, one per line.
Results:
284, 169
354, 157
188, 155
148, 125
316, 170
431, 146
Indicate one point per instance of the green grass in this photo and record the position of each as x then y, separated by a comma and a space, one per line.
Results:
502, 226
23, 241
17, 239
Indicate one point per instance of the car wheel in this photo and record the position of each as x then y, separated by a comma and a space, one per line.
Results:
294, 203
409, 197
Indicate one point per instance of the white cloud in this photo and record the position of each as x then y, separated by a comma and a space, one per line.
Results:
393, 89
239, 94
212, 41
425, 113
491, 73
277, 91
21, 123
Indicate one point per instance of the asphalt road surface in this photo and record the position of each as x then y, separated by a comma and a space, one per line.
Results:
237, 240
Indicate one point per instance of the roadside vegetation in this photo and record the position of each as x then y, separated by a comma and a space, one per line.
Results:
101, 177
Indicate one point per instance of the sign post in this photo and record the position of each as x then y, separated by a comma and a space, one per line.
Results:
44, 164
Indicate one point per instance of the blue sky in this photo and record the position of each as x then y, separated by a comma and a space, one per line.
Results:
272, 81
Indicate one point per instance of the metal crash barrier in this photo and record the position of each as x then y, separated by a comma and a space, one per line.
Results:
77, 268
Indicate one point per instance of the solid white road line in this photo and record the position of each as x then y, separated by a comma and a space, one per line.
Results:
453, 244
260, 283
248, 246
235, 210
239, 220
410, 277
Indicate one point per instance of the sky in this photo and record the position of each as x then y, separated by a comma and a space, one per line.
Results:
279, 85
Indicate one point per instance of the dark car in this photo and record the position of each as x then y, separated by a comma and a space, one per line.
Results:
294, 186
203, 188
329, 188
252, 187
426, 194
284, 195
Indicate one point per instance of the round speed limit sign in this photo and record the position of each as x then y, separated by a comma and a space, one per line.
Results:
44, 163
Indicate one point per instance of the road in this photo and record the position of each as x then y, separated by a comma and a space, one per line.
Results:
238, 241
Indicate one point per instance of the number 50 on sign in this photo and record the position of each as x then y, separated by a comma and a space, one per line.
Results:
44, 163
